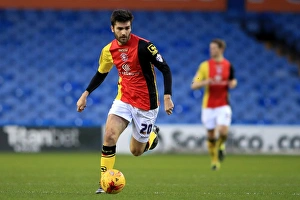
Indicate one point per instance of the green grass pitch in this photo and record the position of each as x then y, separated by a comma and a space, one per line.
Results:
75, 176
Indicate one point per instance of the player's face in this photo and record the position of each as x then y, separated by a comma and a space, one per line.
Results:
214, 50
122, 31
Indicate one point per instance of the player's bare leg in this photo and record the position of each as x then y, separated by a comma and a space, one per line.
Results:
115, 125
223, 134
137, 148
212, 149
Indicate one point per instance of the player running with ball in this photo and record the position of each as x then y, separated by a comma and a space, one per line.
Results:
216, 75
137, 98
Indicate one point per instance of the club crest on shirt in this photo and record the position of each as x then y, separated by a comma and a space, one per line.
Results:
153, 50
124, 57
219, 69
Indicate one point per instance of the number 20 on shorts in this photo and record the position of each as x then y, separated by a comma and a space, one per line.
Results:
146, 128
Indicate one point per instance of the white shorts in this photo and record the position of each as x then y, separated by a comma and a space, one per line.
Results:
212, 117
143, 120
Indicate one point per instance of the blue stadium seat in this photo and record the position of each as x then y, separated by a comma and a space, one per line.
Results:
53, 63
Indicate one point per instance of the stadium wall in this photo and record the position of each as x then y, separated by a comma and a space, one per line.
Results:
42, 139
173, 139
208, 5
241, 140
273, 5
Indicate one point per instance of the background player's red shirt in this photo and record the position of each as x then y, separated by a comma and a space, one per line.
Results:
216, 93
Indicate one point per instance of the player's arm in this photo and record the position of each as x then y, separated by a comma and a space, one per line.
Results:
200, 79
232, 83
159, 62
105, 65
199, 84
94, 83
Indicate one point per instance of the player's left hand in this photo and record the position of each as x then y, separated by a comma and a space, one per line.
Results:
232, 83
168, 103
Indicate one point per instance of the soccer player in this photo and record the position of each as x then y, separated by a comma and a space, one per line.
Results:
137, 98
216, 75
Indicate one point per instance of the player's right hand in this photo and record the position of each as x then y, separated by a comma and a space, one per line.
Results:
81, 103
208, 81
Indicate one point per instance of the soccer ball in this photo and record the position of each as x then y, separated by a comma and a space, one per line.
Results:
112, 181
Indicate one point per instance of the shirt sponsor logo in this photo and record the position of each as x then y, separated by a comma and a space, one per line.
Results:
218, 78
126, 67
153, 50
127, 70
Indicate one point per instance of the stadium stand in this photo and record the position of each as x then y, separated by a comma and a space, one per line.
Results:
48, 57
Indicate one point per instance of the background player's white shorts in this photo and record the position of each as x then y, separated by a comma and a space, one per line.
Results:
212, 117
143, 120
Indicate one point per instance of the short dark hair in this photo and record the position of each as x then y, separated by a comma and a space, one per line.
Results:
221, 43
121, 16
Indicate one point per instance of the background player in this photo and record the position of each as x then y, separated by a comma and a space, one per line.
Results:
137, 98
216, 75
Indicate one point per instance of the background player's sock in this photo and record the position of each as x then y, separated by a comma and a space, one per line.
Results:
221, 142
213, 150
221, 147
108, 158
